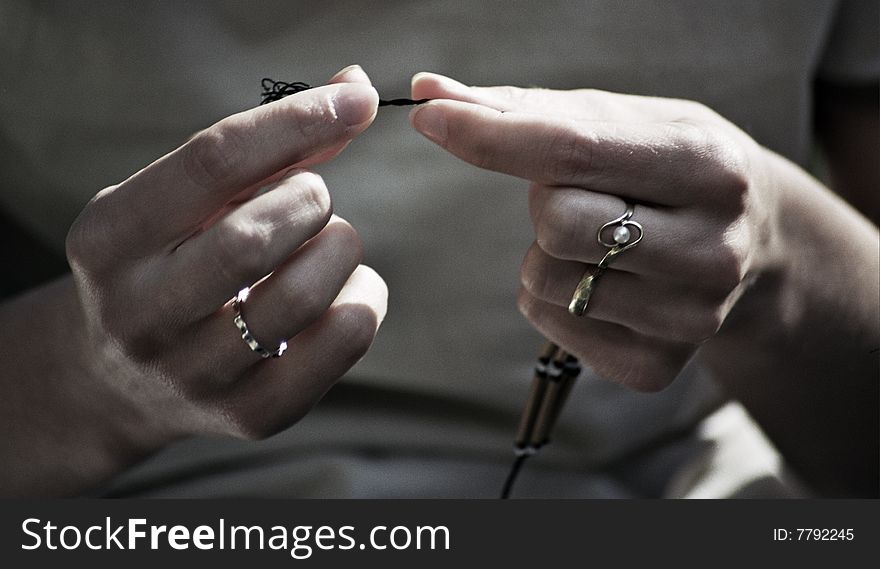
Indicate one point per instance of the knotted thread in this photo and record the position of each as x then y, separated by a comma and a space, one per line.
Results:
277, 90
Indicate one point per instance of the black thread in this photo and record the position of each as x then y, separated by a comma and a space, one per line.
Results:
555, 373
401, 102
277, 90
511, 477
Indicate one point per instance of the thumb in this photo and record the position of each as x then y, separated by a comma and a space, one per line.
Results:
350, 74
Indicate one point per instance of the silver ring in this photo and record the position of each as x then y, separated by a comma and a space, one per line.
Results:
237, 304
621, 234
622, 238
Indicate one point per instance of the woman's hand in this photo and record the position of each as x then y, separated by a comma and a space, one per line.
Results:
744, 256
158, 257
144, 349
701, 194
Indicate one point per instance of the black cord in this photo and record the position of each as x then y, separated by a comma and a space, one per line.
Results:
514, 472
555, 373
277, 90
401, 102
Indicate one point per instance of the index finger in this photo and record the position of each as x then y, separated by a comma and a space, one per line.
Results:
652, 162
171, 197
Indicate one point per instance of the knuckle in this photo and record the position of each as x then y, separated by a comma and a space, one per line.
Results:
191, 389
318, 205
589, 95
243, 414
240, 249
254, 431
557, 229
82, 240
315, 203
356, 334
691, 136
308, 122
245, 424
700, 326
570, 155
212, 157
136, 341
345, 235
530, 308
729, 266
724, 159
514, 94
344, 238
696, 109
731, 168
708, 325
76, 244
257, 429
533, 278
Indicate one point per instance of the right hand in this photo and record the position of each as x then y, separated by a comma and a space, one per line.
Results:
158, 257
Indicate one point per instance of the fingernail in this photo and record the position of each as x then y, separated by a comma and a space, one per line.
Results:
347, 69
355, 103
442, 81
354, 70
418, 76
430, 121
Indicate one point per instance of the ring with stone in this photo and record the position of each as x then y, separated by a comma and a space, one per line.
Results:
253, 344
617, 235
621, 231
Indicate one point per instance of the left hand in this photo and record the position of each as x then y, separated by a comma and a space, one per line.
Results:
703, 194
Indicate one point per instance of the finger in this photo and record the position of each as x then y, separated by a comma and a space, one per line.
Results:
350, 74
579, 104
289, 300
433, 86
165, 201
242, 247
648, 306
613, 352
277, 392
656, 162
567, 222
